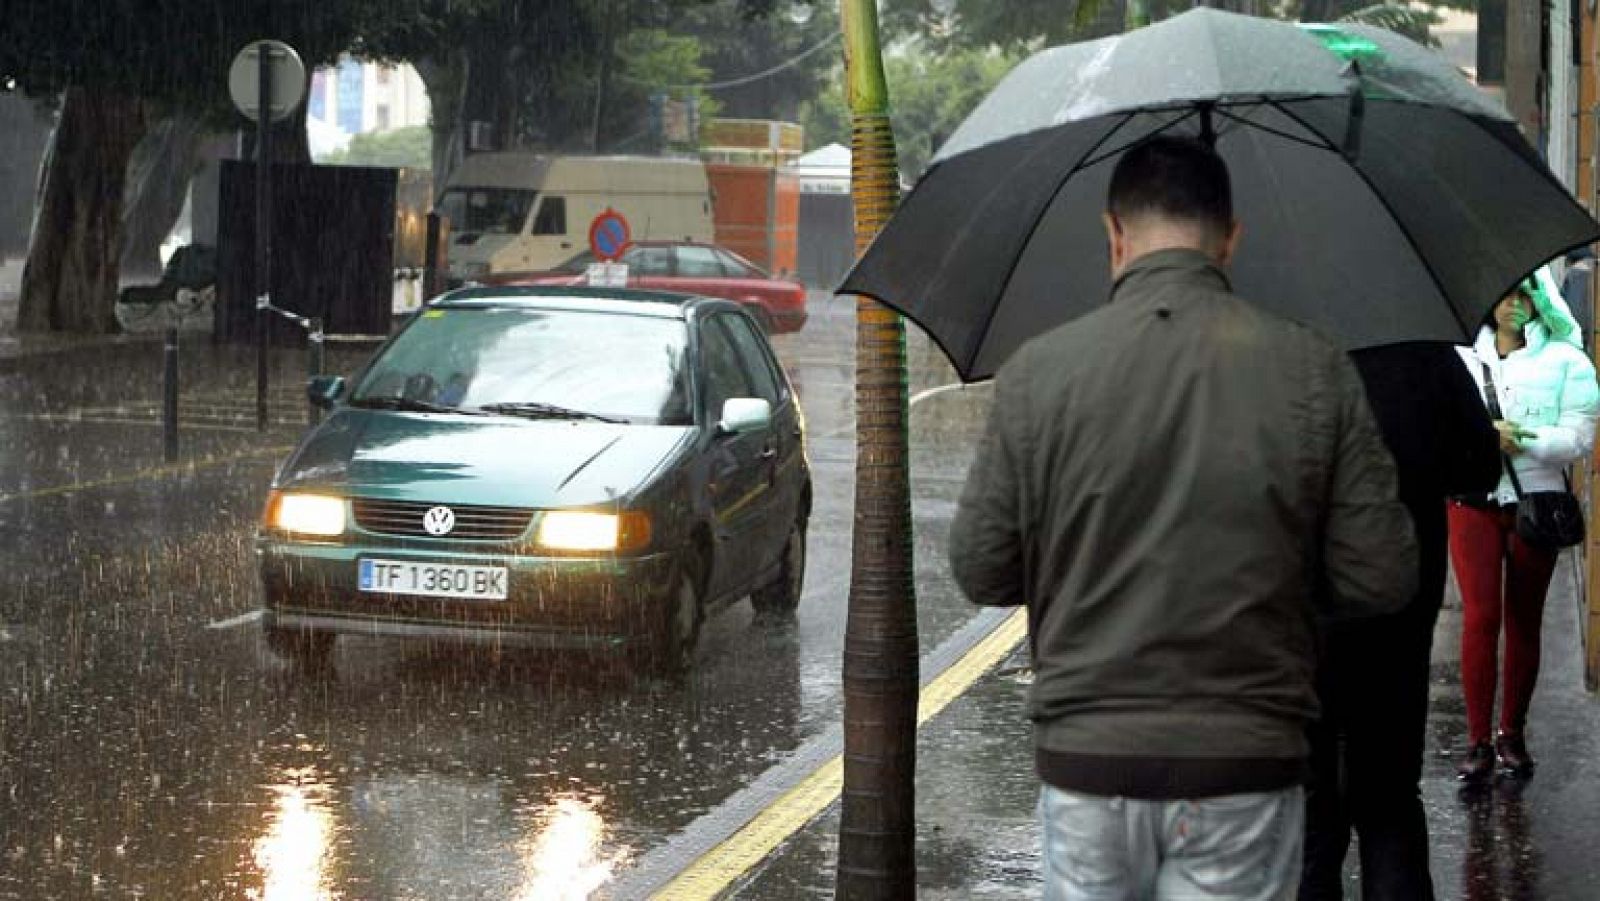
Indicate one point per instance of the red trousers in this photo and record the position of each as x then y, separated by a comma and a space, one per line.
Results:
1503, 581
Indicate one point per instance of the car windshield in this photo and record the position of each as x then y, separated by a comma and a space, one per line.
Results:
495, 211
544, 364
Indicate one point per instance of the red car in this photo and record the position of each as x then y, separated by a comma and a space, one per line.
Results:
688, 268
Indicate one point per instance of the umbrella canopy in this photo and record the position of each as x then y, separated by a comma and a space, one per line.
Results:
1383, 197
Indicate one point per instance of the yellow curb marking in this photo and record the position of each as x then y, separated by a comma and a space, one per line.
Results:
721, 866
154, 472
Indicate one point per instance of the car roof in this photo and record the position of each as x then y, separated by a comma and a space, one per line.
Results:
658, 304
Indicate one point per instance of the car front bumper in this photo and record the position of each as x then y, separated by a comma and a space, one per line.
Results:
589, 602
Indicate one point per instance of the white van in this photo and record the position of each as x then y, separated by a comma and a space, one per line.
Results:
523, 212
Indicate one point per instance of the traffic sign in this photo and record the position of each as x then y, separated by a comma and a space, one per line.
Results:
287, 79
609, 235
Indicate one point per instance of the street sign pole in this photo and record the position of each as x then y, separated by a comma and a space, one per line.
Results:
267, 82
263, 226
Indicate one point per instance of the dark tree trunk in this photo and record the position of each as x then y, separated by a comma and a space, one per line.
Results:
489, 96
70, 281
443, 79
158, 184
23, 133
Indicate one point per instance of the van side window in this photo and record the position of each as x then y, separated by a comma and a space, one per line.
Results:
552, 218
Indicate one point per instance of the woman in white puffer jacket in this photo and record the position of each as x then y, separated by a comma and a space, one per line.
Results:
1530, 352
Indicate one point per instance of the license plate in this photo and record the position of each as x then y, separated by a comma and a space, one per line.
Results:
434, 580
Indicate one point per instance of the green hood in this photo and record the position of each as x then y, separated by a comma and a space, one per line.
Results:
1550, 309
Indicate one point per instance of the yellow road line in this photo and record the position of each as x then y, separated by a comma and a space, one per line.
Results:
188, 421
154, 472
721, 866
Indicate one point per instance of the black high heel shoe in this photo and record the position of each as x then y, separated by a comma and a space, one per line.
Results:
1511, 750
1478, 765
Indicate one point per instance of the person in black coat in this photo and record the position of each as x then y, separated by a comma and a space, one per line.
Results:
1367, 749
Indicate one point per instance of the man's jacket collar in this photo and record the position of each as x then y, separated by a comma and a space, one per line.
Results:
1165, 267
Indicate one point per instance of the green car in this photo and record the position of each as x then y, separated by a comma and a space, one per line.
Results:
546, 467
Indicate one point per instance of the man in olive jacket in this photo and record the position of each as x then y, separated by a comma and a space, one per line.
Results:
1176, 485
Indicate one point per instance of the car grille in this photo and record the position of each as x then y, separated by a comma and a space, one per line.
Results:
472, 523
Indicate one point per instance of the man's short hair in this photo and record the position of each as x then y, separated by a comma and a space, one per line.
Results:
1172, 177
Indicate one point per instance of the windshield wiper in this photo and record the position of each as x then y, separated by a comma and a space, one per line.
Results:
407, 404
537, 410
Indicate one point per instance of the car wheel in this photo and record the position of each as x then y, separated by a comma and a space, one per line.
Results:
677, 630
782, 595
300, 647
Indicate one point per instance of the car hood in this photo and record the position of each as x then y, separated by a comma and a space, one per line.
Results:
480, 460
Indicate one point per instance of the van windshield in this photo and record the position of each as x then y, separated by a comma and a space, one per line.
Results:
495, 211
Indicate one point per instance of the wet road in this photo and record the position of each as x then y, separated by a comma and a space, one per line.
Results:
151, 747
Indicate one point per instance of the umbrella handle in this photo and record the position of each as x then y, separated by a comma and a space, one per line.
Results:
1358, 112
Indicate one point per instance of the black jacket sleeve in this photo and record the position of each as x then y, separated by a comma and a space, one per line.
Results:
1471, 463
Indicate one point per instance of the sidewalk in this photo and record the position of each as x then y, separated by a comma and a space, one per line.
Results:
977, 837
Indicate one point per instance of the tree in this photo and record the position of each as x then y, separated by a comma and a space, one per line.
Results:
877, 829
933, 94
557, 75
402, 148
163, 164
118, 69
795, 62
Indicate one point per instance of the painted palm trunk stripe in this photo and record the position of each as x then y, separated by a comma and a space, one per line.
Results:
719, 848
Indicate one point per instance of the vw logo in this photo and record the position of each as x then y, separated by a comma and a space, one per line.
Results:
439, 521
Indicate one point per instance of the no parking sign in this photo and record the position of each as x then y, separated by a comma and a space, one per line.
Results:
609, 235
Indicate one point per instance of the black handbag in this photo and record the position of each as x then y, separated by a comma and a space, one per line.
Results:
1545, 519
1548, 519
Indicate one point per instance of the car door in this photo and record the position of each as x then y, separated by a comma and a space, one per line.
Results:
739, 482
784, 453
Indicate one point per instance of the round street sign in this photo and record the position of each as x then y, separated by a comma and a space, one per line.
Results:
288, 77
609, 235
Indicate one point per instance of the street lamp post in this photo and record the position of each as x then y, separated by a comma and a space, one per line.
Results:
877, 827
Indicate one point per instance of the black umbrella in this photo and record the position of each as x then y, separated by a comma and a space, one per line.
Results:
1384, 198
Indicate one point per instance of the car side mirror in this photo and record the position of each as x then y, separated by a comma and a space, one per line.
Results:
742, 415
323, 390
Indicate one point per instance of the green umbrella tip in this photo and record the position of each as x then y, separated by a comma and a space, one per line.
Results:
1345, 45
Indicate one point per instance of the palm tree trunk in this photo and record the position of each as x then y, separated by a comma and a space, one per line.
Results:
878, 815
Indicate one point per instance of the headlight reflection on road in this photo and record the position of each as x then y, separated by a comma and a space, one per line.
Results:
562, 855
293, 855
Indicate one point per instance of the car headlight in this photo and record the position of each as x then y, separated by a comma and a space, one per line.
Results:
583, 530
306, 514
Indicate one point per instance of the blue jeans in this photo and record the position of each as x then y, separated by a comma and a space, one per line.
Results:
1235, 847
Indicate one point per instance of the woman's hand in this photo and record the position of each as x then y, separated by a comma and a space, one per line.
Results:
1512, 437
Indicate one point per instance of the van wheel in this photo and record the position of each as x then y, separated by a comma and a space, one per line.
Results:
677, 631
301, 648
781, 596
